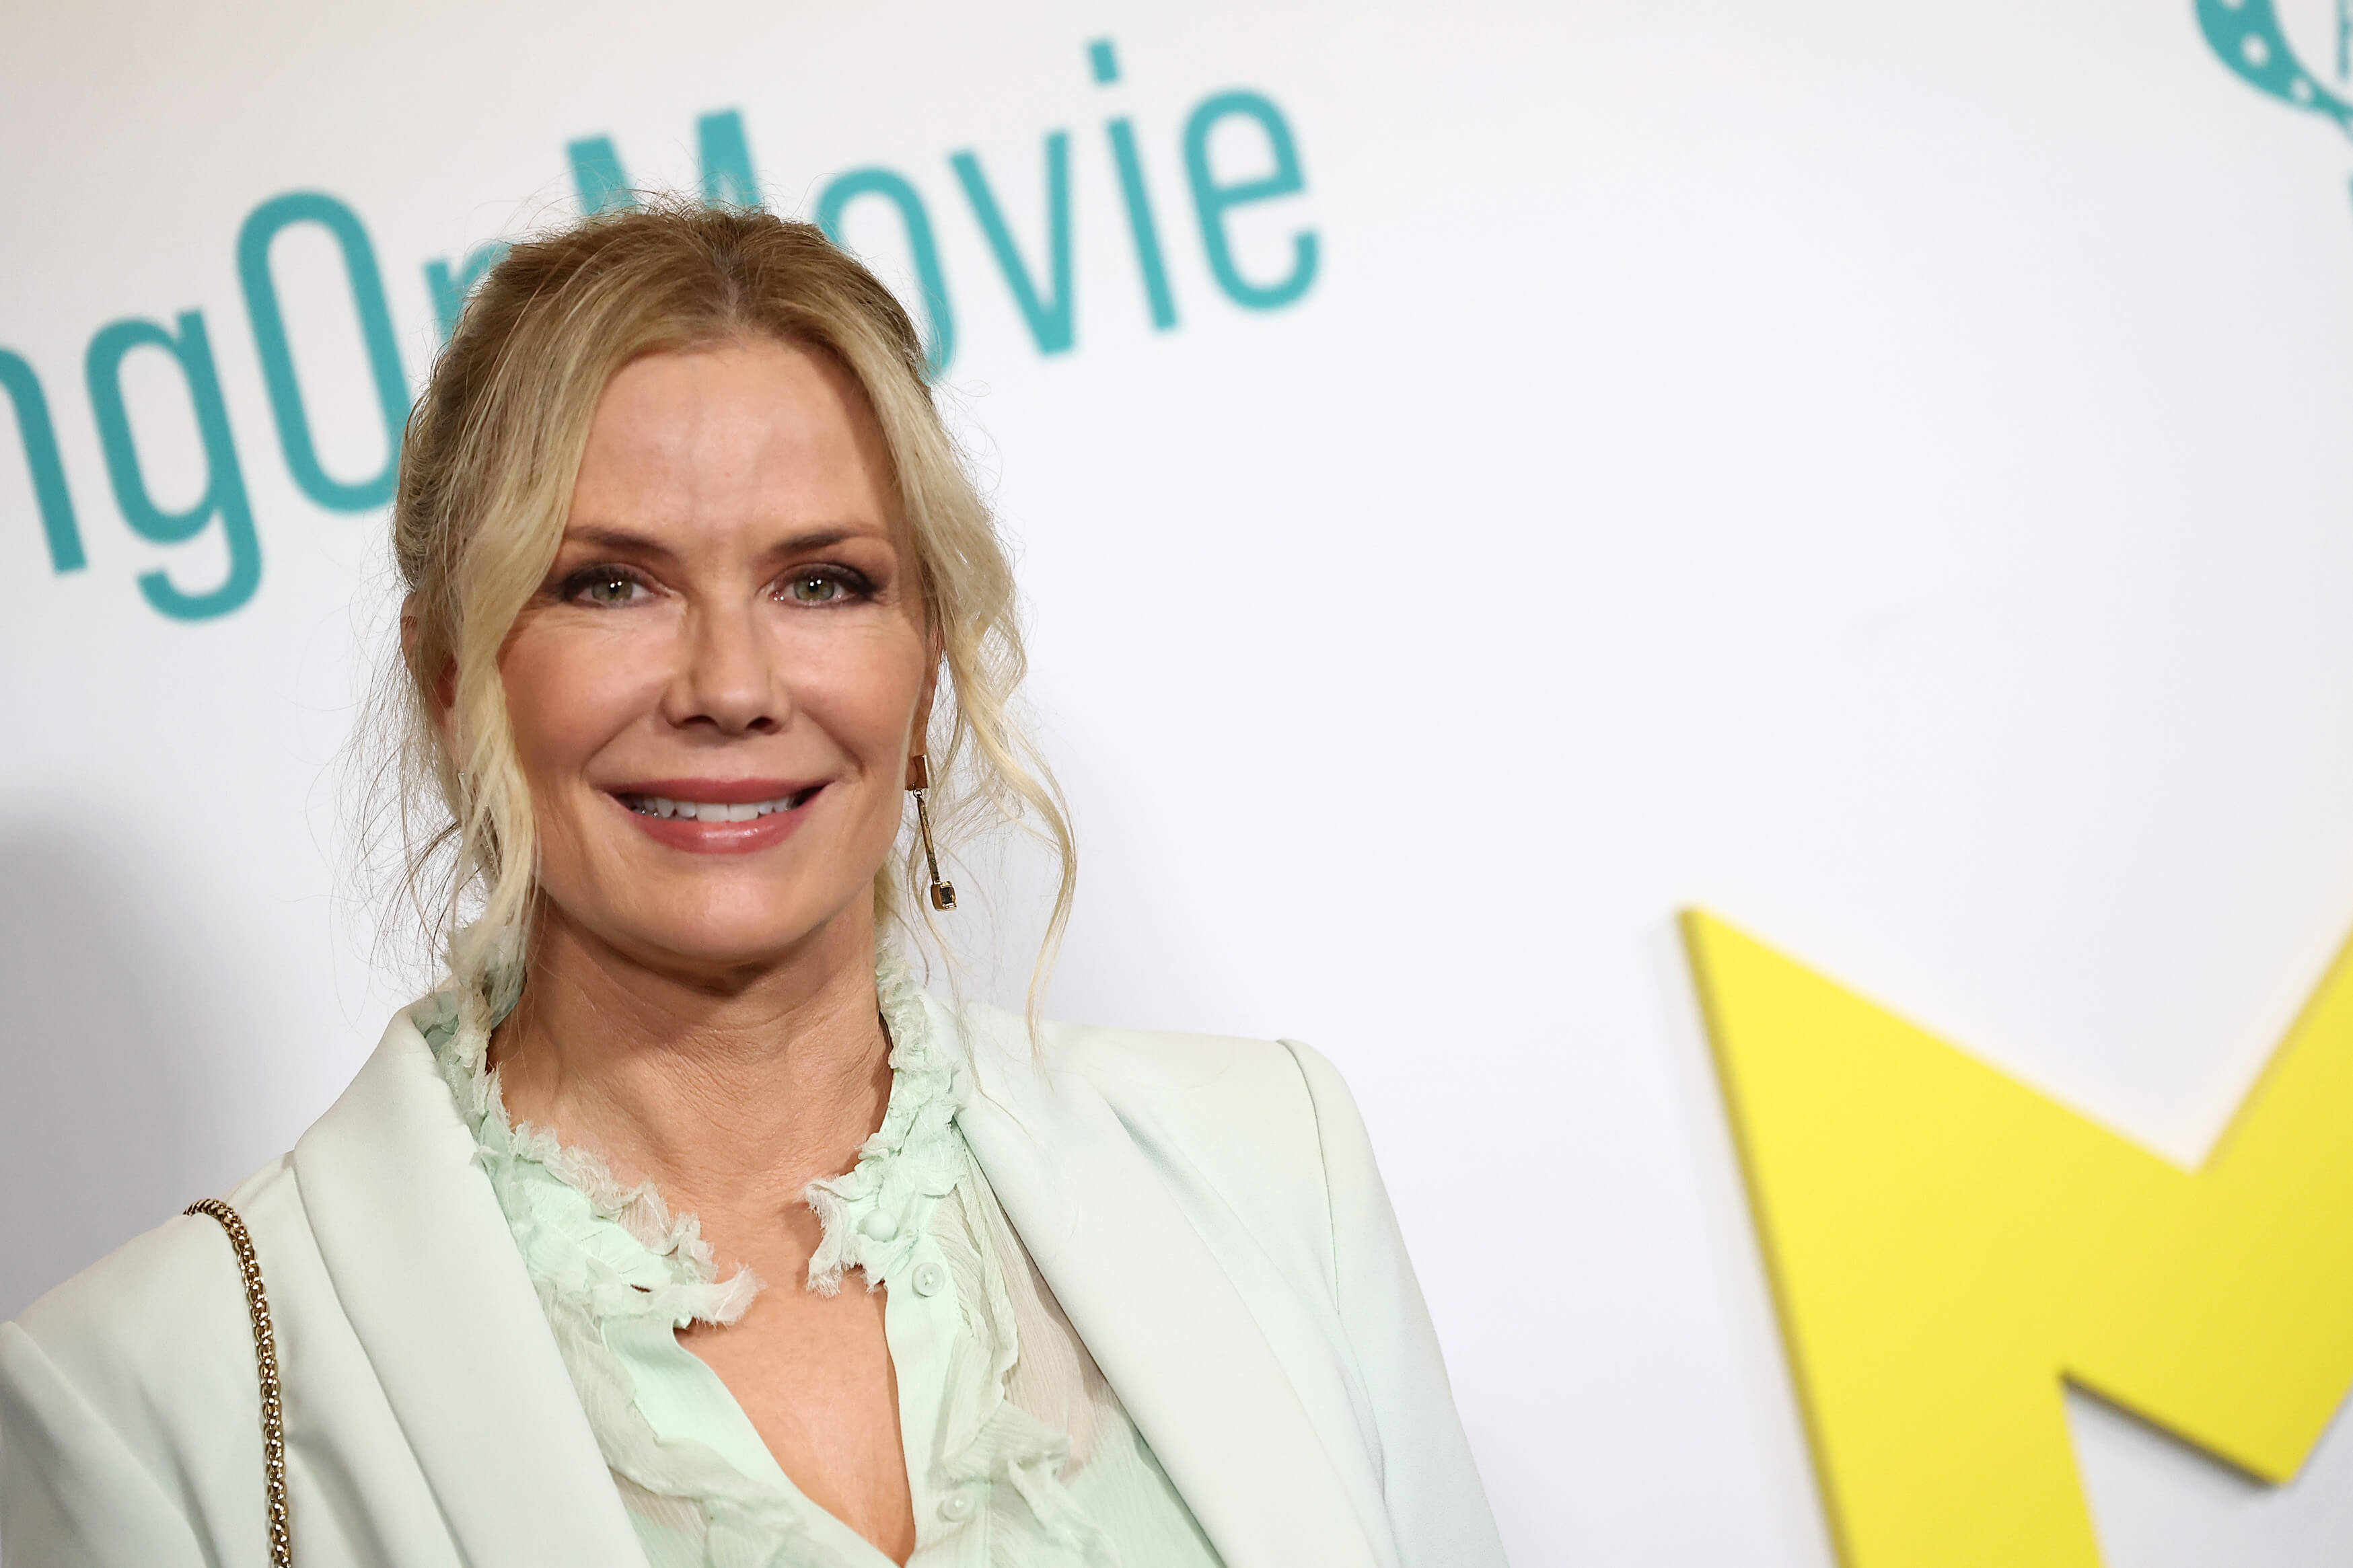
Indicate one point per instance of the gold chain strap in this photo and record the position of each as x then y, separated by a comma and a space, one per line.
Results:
265, 1355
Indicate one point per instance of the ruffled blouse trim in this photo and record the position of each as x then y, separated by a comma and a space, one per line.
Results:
510, 1152
595, 1292
873, 1216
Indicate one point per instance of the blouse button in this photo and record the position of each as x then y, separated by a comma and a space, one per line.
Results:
878, 1225
957, 1507
929, 1278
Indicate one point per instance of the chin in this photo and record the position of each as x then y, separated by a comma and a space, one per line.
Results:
704, 936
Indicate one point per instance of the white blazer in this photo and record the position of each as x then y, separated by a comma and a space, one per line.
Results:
1207, 1211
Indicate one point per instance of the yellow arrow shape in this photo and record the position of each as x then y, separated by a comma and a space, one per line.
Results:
1946, 1246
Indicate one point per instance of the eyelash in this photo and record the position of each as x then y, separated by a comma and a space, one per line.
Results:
856, 586
577, 584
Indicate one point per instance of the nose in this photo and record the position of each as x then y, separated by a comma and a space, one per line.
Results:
729, 679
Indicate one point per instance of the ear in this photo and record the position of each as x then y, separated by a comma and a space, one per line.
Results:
441, 691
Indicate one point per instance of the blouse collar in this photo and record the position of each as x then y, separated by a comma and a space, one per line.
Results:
625, 1237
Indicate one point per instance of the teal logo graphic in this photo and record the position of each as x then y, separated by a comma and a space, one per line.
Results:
1256, 159
2261, 46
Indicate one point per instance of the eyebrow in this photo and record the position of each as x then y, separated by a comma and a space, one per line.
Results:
624, 542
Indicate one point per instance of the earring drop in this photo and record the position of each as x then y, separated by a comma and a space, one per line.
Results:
919, 780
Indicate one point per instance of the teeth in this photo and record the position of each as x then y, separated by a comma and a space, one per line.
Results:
710, 810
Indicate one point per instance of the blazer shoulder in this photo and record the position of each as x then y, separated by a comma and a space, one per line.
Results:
158, 1329
1232, 1093
1239, 1121
1224, 1068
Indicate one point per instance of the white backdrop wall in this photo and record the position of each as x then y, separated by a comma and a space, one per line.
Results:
1877, 471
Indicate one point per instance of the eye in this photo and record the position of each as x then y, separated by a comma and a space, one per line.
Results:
825, 586
603, 586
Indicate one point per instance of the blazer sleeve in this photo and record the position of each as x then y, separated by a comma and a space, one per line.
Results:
1436, 1504
72, 1495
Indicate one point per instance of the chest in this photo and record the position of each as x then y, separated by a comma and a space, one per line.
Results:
814, 1377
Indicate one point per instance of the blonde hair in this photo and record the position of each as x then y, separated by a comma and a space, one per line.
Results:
492, 450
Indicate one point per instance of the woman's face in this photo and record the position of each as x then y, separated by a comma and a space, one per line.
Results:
715, 692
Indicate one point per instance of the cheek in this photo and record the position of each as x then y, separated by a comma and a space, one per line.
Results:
569, 693
867, 700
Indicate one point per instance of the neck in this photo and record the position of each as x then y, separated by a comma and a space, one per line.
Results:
730, 1093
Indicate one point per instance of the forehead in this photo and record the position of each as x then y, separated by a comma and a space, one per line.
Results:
738, 433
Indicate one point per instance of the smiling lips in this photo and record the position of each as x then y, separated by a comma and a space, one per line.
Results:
717, 816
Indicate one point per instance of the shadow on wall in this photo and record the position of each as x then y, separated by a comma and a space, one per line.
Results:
110, 1040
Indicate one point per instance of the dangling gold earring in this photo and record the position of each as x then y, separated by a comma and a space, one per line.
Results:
919, 782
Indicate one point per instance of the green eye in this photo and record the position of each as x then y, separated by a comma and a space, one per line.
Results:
815, 588
604, 587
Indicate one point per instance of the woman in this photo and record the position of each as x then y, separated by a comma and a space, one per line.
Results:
680, 1226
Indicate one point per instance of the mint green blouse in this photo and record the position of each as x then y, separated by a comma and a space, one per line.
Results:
1018, 1453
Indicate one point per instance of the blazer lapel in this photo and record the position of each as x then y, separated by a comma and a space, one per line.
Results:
1159, 1316
428, 1272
